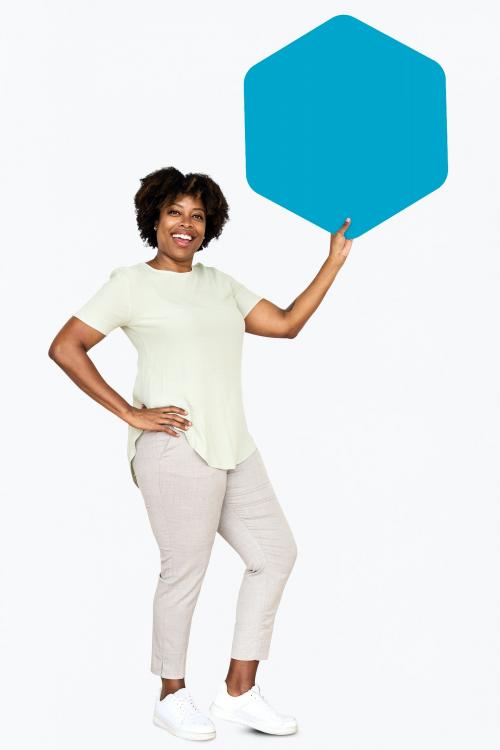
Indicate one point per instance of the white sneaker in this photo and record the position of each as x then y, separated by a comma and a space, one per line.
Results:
178, 714
251, 709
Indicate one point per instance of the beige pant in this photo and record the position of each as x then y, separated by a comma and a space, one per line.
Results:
188, 501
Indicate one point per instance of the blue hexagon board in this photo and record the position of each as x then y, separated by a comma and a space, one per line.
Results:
345, 121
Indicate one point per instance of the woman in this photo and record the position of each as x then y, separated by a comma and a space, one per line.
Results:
189, 449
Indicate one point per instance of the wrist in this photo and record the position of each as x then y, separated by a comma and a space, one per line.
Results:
126, 412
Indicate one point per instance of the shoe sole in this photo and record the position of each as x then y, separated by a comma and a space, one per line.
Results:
183, 732
220, 713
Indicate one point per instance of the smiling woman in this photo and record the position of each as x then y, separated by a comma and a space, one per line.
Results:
189, 448
169, 203
189, 214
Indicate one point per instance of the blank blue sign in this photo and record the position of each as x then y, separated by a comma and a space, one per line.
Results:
345, 121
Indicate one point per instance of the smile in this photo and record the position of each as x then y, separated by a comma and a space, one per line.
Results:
182, 239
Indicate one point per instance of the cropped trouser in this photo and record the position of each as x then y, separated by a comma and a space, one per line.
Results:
187, 502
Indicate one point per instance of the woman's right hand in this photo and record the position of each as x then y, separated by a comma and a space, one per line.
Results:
159, 419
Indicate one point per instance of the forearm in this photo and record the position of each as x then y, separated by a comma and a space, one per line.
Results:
301, 309
76, 363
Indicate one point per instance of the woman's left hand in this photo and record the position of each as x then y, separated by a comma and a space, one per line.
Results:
339, 246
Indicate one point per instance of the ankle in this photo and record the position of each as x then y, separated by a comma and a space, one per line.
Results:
238, 687
170, 686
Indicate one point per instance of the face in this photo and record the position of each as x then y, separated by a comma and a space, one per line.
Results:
186, 215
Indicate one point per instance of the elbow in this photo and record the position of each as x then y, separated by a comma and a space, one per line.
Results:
55, 347
57, 352
290, 331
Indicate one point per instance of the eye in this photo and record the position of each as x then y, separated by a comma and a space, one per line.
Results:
175, 211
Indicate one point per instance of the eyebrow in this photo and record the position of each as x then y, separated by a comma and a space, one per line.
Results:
194, 209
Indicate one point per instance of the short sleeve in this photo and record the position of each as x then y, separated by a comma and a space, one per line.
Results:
245, 298
110, 306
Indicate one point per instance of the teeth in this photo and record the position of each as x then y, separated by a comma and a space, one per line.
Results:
183, 236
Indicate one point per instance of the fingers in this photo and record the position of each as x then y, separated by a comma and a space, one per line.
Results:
176, 421
169, 431
169, 409
181, 421
344, 226
178, 409
172, 429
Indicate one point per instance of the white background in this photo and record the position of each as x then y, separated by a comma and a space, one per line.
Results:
378, 423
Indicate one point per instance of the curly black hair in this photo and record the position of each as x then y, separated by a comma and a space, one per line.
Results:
160, 188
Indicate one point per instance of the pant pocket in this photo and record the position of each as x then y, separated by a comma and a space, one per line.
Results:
163, 441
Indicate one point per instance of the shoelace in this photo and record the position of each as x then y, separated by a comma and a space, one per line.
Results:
186, 701
189, 708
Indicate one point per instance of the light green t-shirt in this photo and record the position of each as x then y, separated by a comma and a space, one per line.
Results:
188, 330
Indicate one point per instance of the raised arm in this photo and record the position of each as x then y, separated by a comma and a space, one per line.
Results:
267, 319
